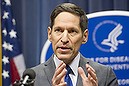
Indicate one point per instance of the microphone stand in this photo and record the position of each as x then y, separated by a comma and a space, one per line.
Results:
30, 82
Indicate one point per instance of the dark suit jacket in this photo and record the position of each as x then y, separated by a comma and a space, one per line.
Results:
45, 72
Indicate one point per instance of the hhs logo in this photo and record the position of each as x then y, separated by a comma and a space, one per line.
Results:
110, 39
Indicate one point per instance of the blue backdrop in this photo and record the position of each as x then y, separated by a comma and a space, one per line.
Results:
32, 18
107, 43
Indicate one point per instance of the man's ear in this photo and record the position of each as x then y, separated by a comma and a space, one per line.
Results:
49, 31
85, 36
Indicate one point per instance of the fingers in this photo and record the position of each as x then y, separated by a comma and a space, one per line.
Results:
82, 73
62, 84
59, 69
94, 82
58, 78
91, 80
91, 73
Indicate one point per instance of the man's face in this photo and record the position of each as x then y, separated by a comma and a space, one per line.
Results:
66, 36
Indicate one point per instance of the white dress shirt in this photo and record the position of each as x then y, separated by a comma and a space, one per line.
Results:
73, 66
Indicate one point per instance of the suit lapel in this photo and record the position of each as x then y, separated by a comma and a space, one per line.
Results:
49, 69
82, 63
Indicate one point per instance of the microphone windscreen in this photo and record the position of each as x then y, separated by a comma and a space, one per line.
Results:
30, 73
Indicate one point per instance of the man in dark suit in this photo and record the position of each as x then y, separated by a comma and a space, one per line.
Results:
67, 31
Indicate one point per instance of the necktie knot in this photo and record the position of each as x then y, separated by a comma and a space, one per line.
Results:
69, 70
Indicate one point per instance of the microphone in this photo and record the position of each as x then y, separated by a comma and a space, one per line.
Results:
27, 78
28, 75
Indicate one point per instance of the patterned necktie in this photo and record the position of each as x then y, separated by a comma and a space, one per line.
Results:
67, 77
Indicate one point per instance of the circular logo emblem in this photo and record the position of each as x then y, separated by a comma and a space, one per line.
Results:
109, 40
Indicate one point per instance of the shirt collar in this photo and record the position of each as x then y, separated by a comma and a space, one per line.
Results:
73, 65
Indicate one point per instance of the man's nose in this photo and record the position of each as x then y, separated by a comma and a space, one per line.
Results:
65, 38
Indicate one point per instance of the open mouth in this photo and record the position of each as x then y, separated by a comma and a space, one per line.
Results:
64, 49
